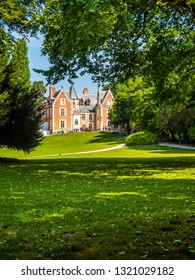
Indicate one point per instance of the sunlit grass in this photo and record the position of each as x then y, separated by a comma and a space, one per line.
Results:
138, 201
68, 143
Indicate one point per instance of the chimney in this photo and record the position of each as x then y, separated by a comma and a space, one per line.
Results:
85, 91
52, 91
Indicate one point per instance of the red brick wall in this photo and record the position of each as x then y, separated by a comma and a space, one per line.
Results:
105, 106
56, 113
100, 118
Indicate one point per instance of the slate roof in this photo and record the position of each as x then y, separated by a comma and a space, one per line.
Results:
72, 93
91, 97
102, 94
56, 93
86, 109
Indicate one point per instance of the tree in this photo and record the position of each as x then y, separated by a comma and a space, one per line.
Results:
38, 86
115, 40
17, 17
176, 123
120, 114
134, 107
20, 16
20, 115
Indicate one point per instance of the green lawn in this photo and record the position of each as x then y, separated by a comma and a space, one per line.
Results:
68, 143
136, 203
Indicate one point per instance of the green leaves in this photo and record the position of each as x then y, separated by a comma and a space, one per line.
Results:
133, 107
19, 112
21, 16
115, 40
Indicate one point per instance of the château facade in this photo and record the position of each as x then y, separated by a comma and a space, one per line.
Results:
68, 111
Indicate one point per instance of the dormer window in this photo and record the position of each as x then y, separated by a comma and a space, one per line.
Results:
87, 102
81, 102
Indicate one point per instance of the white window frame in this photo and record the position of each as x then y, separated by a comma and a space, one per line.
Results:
60, 111
60, 124
90, 117
90, 126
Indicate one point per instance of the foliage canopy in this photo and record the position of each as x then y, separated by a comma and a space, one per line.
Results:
19, 109
20, 114
114, 40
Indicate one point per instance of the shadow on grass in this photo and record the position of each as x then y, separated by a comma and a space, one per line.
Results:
97, 209
8, 160
106, 137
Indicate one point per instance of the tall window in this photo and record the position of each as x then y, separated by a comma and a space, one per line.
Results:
62, 124
90, 126
90, 117
76, 122
62, 112
83, 117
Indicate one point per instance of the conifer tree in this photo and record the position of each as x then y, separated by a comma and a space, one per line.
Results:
19, 129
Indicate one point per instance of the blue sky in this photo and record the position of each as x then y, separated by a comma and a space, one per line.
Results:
36, 60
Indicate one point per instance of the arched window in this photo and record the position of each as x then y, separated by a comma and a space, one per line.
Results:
81, 102
76, 122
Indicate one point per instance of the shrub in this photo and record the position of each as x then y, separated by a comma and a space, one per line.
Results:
141, 138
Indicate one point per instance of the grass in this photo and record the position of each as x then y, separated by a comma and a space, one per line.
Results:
136, 203
68, 143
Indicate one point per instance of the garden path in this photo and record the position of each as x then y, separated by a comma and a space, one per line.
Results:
87, 152
117, 147
177, 146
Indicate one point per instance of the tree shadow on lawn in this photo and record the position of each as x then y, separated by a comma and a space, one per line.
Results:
102, 167
8, 160
73, 209
106, 137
